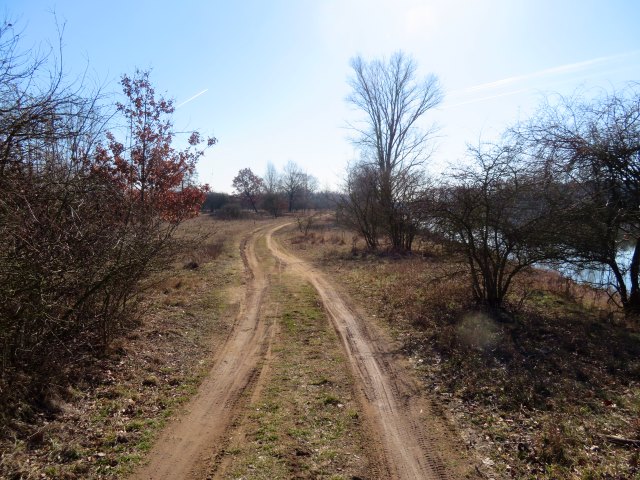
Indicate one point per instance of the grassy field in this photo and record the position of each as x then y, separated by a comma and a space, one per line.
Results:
547, 395
552, 394
300, 420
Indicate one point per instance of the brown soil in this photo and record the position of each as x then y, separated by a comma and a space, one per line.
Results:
187, 445
545, 393
101, 422
304, 419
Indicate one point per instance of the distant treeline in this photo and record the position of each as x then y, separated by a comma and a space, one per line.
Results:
291, 190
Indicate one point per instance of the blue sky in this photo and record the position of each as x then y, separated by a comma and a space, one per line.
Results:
269, 78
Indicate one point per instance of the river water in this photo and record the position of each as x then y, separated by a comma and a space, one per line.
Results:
598, 276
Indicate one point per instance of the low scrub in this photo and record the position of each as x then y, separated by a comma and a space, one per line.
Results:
100, 424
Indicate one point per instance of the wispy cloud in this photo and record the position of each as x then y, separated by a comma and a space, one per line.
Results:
518, 83
192, 98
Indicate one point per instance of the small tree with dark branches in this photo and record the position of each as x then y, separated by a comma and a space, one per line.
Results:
592, 150
496, 215
249, 187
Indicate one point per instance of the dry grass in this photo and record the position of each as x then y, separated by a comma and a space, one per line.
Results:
537, 397
100, 424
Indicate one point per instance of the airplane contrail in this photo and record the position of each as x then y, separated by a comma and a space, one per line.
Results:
488, 97
562, 69
192, 98
514, 85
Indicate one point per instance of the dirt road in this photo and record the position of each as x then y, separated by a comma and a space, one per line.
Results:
412, 440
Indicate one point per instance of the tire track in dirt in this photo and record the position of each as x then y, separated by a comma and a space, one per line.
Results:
189, 444
221, 463
411, 438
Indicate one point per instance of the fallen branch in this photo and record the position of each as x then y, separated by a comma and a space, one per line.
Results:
629, 442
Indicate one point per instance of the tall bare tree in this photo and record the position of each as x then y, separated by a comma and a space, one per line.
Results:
308, 190
394, 101
292, 182
272, 200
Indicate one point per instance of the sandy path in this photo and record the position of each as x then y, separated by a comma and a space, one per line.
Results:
188, 445
393, 402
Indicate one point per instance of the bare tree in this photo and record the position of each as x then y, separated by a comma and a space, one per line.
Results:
272, 198
359, 208
496, 215
308, 190
271, 179
394, 101
292, 182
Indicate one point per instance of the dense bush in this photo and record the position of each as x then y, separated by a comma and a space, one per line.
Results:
81, 224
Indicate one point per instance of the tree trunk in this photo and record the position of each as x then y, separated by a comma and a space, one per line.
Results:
632, 306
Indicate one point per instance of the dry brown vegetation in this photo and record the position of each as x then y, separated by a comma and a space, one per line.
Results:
84, 221
547, 392
101, 422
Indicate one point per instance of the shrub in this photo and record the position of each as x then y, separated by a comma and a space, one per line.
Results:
81, 225
230, 211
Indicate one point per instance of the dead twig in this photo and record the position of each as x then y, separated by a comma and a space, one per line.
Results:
627, 442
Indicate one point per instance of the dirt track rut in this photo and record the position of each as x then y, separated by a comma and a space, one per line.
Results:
187, 445
390, 398
393, 403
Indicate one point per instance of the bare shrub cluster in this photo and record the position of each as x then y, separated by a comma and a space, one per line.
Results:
83, 220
